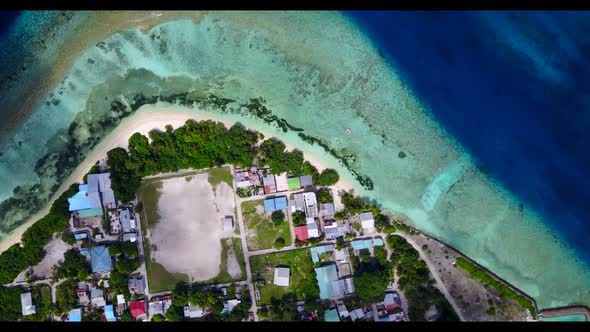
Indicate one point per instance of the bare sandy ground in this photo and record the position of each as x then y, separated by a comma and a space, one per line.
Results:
55, 249
233, 266
145, 119
189, 232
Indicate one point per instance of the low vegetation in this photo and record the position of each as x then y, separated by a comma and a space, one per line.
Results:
264, 232
325, 196
30, 251
302, 281
504, 291
74, 265
415, 281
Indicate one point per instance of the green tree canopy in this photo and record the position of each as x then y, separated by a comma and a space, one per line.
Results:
328, 177
325, 196
277, 217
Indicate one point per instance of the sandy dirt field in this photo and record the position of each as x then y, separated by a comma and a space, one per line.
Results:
55, 249
188, 234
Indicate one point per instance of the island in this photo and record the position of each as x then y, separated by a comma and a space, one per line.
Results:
206, 222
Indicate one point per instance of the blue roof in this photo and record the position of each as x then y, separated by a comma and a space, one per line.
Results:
366, 243
83, 187
84, 252
316, 251
269, 205
281, 202
331, 316
325, 275
75, 315
109, 314
101, 260
79, 201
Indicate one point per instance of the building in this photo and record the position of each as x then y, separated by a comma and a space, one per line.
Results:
301, 233
131, 237
331, 316
325, 275
26, 302
293, 183
85, 202
276, 203
312, 228
281, 276
79, 236
328, 210
228, 224
82, 293
305, 181
109, 313
101, 183
392, 301
298, 204
101, 260
281, 182
244, 184
332, 231
160, 305
269, 184
228, 306
367, 221
342, 311
137, 309
97, 298
361, 244
127, 221
193, 312
136, 285
318, 250
75, 315
310, 204
120, 304
357, 314
342, 255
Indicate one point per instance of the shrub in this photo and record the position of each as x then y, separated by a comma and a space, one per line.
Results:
298, 218
277, 217
279, 243
325, 196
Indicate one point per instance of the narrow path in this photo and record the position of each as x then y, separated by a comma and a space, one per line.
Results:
440, 285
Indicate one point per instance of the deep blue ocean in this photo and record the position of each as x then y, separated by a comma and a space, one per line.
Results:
514, 89
7, 18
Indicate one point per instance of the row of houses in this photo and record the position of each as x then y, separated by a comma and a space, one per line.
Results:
261, 181
388, 310
93, 297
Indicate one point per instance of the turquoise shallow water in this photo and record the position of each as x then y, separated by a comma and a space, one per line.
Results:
568, 318
334, 79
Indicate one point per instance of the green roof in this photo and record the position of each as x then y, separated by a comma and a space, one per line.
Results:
293, 183
90, 213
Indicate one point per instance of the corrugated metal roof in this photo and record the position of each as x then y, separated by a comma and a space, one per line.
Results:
305, 180
109, 314
269, 205
101, 260
325, 275
281, 202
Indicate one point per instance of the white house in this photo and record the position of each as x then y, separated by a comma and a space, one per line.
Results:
367, 220
192, 312
26, 302
281, 276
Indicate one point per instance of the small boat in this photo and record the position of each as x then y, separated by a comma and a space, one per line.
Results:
347, 131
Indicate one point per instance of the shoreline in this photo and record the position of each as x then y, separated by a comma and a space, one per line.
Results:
145, 119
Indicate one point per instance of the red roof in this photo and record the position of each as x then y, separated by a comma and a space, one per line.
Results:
137, 308
301, 233
392, 306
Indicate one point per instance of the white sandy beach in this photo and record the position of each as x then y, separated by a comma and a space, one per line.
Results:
151, 117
